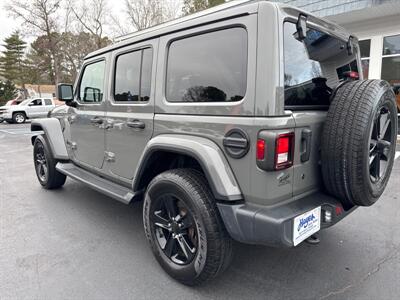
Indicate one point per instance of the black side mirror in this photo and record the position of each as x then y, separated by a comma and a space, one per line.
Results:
301, 28
65, 92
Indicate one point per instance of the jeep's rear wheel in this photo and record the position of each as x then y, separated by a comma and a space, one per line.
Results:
19, 118
45, 165
183, 227
359, 141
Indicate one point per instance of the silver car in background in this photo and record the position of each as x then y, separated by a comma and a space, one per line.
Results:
28, 109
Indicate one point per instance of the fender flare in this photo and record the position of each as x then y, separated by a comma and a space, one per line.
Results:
53, 132
210, 157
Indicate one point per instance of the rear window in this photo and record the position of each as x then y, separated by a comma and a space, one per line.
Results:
210, 67
313, 67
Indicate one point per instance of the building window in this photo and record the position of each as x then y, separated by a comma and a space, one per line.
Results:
210, 67
391, 62
365, 49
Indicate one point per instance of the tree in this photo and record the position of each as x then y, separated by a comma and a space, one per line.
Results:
11, 63
41, 16
7, 91
40, 63
92, 15
146, 13
192, 6
73, 48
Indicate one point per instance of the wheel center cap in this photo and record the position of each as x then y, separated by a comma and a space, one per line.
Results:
175, 227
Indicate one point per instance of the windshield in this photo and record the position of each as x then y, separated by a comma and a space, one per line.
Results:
25, 102
314, 67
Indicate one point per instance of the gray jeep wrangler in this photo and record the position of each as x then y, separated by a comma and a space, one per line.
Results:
250, 121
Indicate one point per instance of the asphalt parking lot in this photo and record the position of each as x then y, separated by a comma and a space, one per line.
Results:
75, 243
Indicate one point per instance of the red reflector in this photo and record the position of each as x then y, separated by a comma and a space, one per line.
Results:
338, 210
260, 149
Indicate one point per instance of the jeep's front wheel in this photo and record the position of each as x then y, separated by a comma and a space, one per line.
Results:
45, 165
183, 227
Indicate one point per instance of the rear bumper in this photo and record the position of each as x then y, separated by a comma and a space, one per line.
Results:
273, 225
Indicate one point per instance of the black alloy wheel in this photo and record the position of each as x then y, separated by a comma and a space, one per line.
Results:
381, 143
175, 230
41, 166
184, 228
45, 165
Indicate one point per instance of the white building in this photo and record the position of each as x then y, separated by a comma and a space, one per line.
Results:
376, 23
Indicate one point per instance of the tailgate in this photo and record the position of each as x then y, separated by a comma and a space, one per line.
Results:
307, 151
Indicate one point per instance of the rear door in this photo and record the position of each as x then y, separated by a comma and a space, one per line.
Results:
312, 69
130, 108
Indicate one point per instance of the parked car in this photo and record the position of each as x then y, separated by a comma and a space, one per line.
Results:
27, 109
233, 123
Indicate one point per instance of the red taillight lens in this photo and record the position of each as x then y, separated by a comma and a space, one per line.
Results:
284, 151
260, 149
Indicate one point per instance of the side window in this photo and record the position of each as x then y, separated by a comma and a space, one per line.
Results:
210, 67
36, 102
92, 82
48, 102
133, 76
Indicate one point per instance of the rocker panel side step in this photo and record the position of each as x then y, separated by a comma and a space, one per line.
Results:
98, 183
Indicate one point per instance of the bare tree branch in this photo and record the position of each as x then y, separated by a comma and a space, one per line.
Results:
42, 16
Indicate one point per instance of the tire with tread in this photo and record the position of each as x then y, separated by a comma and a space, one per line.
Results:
54, 179
191, 187
345, 146
19, 114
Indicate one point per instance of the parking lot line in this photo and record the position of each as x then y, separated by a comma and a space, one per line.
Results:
397, 155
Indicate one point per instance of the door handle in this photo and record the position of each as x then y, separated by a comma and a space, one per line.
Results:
306, 135
136, 124
96, 120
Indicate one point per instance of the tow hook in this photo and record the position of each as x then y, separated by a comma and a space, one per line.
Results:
313, 240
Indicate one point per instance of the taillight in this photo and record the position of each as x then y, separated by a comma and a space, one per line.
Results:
260, 151
284, 147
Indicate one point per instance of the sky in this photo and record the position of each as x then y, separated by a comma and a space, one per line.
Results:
7, 24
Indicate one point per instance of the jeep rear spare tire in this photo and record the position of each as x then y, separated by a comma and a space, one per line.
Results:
359, 141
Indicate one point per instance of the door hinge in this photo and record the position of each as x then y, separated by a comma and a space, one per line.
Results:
110, 156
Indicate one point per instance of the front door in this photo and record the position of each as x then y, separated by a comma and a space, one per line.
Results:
130, 110
86, 120
35, 109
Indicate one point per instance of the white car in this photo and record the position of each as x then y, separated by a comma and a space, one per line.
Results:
27, 109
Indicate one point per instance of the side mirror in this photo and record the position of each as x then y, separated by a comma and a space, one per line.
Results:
65, 92
301, 28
